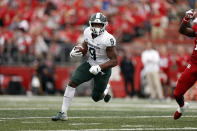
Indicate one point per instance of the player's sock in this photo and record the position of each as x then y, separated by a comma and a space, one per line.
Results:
106, 90
180, 101
107, 97
68, 96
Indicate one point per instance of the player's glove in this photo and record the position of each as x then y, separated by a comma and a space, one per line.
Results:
95, 69
195, 21
75, 52
189, 14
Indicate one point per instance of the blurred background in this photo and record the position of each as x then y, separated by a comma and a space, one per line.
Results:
36, 37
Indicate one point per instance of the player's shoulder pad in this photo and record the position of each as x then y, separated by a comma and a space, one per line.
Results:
86, 30
110, 40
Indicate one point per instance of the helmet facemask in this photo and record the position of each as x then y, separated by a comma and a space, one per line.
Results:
98, 30
98, 23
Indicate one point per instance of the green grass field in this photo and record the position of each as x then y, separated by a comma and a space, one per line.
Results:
34, 113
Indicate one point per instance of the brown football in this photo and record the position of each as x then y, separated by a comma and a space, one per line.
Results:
81, 49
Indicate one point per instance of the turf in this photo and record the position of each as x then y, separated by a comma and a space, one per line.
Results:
34, 113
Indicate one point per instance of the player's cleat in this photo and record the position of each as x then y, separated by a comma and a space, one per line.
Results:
180, 111
107, 98
177, 115
60, 116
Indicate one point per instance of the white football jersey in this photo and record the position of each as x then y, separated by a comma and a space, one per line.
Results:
97, 46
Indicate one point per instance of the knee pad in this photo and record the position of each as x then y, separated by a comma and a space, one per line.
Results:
96, 97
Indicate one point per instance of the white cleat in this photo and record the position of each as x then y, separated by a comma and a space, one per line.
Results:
180, 110
60, 116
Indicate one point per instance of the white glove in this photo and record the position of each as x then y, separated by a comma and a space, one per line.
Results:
195, 21
189, 14
75, 52
95, 69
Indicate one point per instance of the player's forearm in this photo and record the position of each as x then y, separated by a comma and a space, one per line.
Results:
84, 45
185, 30
183, 27
113, 59
109, 64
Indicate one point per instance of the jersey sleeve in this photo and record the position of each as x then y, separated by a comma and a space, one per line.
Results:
111, 41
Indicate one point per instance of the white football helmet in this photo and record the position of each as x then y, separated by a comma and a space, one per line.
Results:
98, 18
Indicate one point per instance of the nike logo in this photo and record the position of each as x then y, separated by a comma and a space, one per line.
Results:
188, 66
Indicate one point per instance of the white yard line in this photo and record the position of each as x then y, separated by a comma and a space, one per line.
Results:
143, 129
30, 122
129, 129
21, 118
79, 124
26, 108
135, 126
130, 117
112, 105
31, 98
96, 109
99, 117
104, 108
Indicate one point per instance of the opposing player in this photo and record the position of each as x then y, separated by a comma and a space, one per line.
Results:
189, 76
101, 49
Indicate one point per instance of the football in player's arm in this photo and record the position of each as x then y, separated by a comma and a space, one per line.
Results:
189, 76
102, 56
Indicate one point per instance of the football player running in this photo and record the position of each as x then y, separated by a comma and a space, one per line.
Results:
102, 56
189, 76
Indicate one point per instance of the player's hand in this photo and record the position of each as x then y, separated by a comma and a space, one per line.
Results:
95, 69
189, 14
75, 52
195, 21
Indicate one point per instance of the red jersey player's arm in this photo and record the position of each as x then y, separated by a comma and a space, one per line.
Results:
185, 30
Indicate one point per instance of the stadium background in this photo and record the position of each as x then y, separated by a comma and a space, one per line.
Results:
36, 37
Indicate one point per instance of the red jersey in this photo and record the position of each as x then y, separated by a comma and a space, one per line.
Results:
194, 54
182, 61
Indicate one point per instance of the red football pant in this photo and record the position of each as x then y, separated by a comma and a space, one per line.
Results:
187, 79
